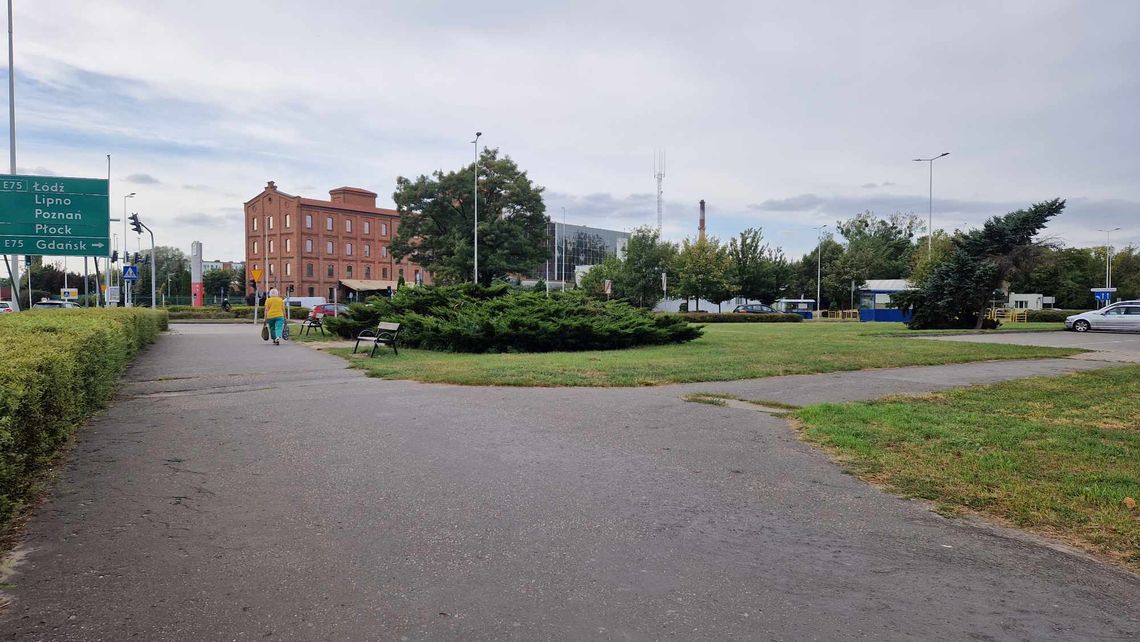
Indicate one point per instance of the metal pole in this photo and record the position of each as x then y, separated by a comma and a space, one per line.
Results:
476, 241
565, 247
930, 214
818, 266
14, 266
108, 274
153, 269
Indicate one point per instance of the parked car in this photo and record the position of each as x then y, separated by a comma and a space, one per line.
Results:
5, 307
328, 309
753, 308
1123, 316
53, 305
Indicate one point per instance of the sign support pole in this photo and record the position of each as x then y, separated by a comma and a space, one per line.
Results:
14, 266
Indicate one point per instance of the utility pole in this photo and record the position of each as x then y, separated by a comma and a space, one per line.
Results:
14, 264
475, 244
659, 174
819, 266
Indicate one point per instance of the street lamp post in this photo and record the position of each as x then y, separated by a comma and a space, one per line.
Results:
1108, 256
476, 241
930, 203
818, 265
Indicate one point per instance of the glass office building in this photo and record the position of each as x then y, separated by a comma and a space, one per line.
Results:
572, 246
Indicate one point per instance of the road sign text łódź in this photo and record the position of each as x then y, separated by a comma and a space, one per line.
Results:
54, 215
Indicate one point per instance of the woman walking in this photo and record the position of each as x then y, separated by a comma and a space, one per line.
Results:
275, 315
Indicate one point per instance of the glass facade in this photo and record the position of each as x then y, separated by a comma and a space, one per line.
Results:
577, 245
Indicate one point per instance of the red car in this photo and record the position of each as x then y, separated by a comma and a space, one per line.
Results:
328, 309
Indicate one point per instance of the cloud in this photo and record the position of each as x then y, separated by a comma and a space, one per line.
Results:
142, 179
199, 219
877, 185
37, 171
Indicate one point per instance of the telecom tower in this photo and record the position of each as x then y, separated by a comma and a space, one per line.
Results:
659, 174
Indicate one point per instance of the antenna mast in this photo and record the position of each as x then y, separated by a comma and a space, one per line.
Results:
659, 174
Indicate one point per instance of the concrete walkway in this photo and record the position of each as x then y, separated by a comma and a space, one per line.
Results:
239, 490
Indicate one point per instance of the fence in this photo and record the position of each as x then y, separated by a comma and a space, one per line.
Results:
1008, 315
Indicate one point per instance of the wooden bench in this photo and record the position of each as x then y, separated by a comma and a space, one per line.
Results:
314, 321
385, 333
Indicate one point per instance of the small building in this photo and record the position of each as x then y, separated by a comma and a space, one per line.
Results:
573, 247
1027, 301
876, 304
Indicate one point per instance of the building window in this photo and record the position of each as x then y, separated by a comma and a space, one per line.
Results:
384, 251
288, 246
288, 220
329, 223
271, 246
368, 271
330, 294
401, 273
270, 269
384, 271
348, 249
308, 245
367, 250
417, 277
330, 270
308, 221
289, 269
383, 229
328, 247
312, 290
309, 270
367, 226
270, 220
348, 272
254, 219
255, 247
348, 226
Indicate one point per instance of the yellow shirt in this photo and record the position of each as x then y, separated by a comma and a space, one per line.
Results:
274, 307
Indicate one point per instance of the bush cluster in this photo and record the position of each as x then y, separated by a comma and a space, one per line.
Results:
471, 318
729, 317
56, 368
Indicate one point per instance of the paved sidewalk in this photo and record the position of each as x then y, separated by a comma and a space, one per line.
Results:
239, 490
1121, 347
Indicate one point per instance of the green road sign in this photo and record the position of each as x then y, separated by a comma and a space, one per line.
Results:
54, 215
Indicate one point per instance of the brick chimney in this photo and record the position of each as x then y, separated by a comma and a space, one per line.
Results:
353, 196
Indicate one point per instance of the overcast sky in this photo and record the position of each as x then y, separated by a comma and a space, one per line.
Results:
781, 115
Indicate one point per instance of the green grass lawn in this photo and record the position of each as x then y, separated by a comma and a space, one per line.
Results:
727, 351
1056, 455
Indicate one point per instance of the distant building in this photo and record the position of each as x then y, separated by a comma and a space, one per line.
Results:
337, 248
1027, 301
221, 265
575, 246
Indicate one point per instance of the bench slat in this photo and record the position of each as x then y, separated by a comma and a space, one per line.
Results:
391, 327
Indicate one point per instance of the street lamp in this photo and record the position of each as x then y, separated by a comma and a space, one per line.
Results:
930, 204
1108, 256
818, 265
476, 242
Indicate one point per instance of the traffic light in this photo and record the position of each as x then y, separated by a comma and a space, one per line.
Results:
115, 256
27, 260
136, 225
253, 283
289, 289
137, 259
388, 292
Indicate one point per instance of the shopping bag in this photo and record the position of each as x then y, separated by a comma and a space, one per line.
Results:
285, 330
264, 332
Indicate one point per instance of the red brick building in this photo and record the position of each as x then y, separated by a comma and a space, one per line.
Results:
320, 246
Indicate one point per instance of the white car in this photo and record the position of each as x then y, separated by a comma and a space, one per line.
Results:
5, 307
53, 305
1121, 316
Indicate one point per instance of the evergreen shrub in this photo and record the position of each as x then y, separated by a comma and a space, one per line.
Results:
56, 368
1050, 315
497, 318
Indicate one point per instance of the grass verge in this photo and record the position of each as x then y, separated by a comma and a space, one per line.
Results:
1054, 455
726, 352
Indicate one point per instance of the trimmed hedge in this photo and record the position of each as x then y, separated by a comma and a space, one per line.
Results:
56, 368
470, 318
181, 312
730, 317
1050, 314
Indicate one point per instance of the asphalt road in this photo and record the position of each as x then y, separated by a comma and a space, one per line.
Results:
1106, 346
241, 491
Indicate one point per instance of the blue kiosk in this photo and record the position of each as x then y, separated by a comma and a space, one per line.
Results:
875, 300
